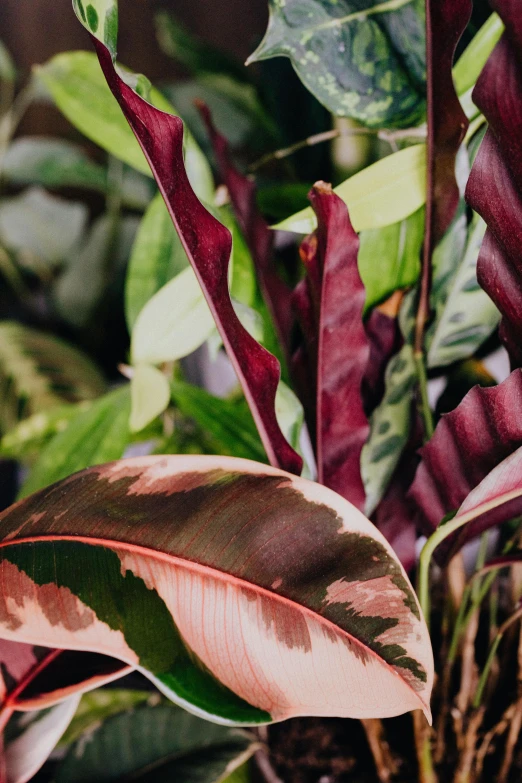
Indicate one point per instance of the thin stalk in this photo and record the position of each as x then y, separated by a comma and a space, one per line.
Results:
425, 409
12, 118
491, 657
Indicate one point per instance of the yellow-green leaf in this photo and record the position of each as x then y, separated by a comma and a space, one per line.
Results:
150, 396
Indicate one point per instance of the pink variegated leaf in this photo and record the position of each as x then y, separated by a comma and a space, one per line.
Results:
246, 594
206, 241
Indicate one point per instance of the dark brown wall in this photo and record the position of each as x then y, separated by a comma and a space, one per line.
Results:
34, 30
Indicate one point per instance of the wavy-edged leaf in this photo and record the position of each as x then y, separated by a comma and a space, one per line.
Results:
465, 316
330, 44
467, 444
40, 227
39, 371
494, 187
208, 245
79, 89
157, 256
246, 594
157, 743
96, 435
381, 194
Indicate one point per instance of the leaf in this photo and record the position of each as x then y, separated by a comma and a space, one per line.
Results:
364, 60
78, 88
157, 257
447, 124
494, 187
389, 258
198, 56
208, 245
164, 558
38, 733
228, 423
390, 428
38, 371
96, 435
7, 66
471, 62
175, 322
150, 396
381, 194
464, 315
343, 349
96, 706
468, 443
36, 225
161, 743
56, 163
106, 248
30, 435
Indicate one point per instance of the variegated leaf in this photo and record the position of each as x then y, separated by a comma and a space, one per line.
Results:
245, 593
361, 59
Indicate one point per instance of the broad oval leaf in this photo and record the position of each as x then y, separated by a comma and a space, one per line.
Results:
381, 194
245, 593
150, 396
364, 60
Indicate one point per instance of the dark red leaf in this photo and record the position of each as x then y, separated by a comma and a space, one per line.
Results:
208, 245
495, 185
343, 349
468, 443
259, 237
385, 338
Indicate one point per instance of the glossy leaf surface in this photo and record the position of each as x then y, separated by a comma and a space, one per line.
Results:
245, 593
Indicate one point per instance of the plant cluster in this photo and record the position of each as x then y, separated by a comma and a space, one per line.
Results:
186, 564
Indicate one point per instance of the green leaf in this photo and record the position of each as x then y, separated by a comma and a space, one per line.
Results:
31, 435
156, 744
471, 62
7, 66
38, 372
389, 258
198, 56
390, 428
100, 18
381, 194
157, 256
79, 89
40, 227
364, 59
465, 316
241, 775
96, 435
104, 252
150, 396
173, 323
245, 593
227, 423
99, 705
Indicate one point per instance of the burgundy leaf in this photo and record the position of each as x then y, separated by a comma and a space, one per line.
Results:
343, 350
259, 237
468, 443
446, 21
494, 187
208, 245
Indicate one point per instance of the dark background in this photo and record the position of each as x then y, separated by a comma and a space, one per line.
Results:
35, 30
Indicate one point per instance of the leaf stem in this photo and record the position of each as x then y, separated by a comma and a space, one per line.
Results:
361, 16
422, 377
491, 657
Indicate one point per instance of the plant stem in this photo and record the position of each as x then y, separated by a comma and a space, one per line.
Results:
422, 377
423, 747
491, 657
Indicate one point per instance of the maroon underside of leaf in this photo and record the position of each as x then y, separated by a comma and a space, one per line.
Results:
446, 21
495, 185
34, 678
336, 294
208, 246
468, 443
259, 237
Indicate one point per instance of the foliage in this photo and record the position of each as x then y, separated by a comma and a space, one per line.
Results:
150, 319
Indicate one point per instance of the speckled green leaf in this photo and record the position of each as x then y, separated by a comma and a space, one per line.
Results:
78, 88
151, 744
38, 372
190, 569
30, 435
361, 58
381, 194
390, 428
389, 258
96, 435
465, 316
